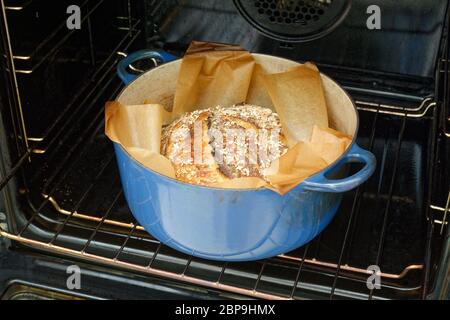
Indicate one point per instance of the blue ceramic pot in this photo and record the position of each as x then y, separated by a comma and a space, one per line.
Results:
227, 224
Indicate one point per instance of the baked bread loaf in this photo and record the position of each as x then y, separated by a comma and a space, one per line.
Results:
214, 145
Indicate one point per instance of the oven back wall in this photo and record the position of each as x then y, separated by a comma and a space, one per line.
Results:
407, 43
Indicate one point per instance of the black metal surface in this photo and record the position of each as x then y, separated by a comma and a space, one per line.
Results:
294, 20
407, 44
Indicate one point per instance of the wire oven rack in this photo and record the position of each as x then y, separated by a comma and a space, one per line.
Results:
76, 208
110, 235
30, 144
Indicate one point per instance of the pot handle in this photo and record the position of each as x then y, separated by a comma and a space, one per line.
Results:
321, 183
122, 66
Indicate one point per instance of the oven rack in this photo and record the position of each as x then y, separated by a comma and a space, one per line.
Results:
76, 107
126, 226
49, 226
284, 257
416, 112
17, 5
53, 40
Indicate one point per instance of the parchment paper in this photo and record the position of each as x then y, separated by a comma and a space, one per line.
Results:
216, 74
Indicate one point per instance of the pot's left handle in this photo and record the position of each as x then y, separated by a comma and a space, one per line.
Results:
123, 65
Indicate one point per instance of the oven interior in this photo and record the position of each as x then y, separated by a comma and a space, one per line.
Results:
61, 192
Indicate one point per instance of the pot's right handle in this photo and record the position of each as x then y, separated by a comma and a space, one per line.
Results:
321, 183
122, 66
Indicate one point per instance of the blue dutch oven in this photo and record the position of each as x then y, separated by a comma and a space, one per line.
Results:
227, 224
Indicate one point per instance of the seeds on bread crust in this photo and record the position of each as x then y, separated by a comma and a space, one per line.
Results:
233, 142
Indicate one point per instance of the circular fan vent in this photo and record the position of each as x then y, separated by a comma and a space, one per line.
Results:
294, 20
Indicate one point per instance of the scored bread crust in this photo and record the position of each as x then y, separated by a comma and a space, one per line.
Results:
177, 143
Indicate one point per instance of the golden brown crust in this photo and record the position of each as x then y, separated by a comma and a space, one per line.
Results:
211, 162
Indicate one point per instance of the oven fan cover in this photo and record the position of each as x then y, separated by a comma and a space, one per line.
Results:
294, 20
